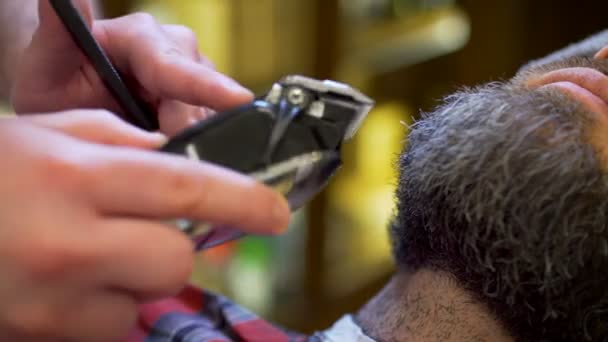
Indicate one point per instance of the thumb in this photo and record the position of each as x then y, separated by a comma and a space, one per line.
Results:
51, 40
51, 26
52, 49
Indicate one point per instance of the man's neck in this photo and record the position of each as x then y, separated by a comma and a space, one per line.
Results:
427, 306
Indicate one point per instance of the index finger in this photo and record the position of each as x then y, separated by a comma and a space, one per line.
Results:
138, 45
154, 185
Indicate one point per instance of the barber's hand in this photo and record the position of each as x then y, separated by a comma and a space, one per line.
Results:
82, 239
160, 62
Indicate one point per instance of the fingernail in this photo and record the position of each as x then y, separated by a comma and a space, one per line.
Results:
602, 54
160, 138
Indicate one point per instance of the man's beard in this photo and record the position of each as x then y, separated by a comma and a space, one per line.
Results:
501, 188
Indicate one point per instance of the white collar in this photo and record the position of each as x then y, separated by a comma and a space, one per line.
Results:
344, 330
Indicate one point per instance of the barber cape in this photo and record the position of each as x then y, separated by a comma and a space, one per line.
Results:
199, 316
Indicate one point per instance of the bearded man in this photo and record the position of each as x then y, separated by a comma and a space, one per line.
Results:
501, 226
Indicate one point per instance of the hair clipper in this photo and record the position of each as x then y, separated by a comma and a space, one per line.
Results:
289, 139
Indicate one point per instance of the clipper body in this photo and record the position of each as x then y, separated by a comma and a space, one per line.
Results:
289, 139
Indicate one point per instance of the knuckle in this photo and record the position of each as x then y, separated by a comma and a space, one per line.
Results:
126, 318
180, 271
49, 260
158, 69
215, 87
104, 125
166, 57
182, 36
121, 327
189, 38
102, 116
206, 61
184, 33
138, 27
143, 19
59, 170
123, 318
35, 320
187, 196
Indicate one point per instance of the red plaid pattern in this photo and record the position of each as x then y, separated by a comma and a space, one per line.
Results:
198, 316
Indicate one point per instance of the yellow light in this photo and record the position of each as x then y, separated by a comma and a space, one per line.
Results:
362, 202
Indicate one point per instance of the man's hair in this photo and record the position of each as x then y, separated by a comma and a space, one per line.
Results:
500, 187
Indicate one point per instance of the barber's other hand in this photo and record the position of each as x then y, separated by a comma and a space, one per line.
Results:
161, 62
81, 235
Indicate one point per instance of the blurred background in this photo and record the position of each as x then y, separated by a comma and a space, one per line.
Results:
406, 54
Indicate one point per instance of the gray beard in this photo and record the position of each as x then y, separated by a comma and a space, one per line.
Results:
500, 187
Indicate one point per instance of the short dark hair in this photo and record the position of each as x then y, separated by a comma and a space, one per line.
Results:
500, 187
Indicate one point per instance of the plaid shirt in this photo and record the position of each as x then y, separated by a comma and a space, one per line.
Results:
198, 316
